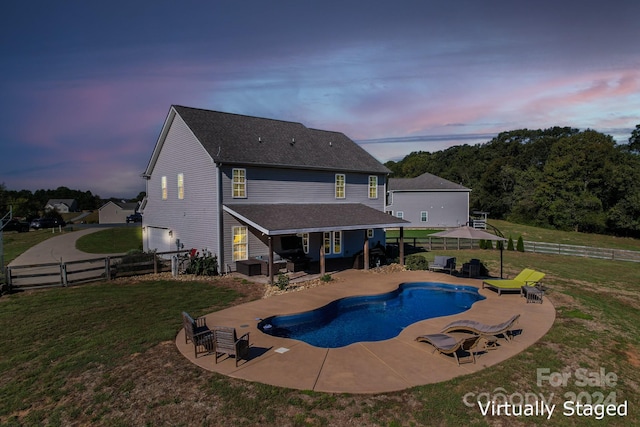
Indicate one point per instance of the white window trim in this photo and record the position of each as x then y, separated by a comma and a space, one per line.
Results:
234, 231
400, 214
327, 238
374, 187
305, 243
243, 184
337, 237
344, 186
163, 188
180, 186
330, 238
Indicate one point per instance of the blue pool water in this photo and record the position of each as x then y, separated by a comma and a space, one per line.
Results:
372, 317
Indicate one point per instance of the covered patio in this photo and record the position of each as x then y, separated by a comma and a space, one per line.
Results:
326, 227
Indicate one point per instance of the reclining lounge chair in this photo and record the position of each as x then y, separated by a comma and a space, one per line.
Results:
526, 277
447, 344
471, 326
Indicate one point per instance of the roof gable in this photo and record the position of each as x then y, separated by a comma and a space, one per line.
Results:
424, 182
237, 139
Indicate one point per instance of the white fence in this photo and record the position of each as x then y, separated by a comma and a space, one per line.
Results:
437, 243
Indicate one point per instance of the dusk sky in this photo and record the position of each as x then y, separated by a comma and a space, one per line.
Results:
86, 86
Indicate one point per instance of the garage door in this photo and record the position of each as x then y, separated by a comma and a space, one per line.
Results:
158, 239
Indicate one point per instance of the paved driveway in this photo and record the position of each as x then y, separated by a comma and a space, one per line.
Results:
42, 261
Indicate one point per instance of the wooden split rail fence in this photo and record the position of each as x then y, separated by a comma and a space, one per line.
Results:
437, 243
66, 273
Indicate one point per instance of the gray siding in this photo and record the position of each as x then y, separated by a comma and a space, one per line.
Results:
274, 185
445, 209
192, 219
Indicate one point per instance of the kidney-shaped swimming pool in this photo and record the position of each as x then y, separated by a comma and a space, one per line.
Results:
372, 317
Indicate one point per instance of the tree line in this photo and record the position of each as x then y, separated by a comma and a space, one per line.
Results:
560, 178
28, 204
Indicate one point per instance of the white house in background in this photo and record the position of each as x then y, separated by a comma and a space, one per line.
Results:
62, 205
248, 188
116, 212
428, 201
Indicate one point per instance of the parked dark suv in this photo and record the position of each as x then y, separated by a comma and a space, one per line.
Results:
16, 225
40, 223
136, 217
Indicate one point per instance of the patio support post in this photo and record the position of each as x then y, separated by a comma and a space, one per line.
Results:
401, 244
270, 266
322, 266
366, 250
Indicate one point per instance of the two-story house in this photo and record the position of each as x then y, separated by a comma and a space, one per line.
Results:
428, 201
245, 187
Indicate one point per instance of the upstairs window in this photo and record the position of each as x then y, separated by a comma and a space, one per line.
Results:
180, 186
340, 186
400, 214
239, 183
373, 187
424, 216
163, 184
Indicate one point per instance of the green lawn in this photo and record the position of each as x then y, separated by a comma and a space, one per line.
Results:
102, 354
111, 241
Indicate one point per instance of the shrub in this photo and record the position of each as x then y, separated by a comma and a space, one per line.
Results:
417, 262
282, 282
326, 278
510, 244
203, 265
520, 245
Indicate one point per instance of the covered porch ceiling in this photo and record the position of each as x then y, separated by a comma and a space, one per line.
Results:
292, 218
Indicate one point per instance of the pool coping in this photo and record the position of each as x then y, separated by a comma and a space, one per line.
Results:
367, 367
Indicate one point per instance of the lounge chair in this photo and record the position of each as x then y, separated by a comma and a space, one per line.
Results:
447, 344
474, 327
227, 342
443, 263
526, 277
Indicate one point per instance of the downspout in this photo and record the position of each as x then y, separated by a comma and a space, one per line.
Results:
220, 220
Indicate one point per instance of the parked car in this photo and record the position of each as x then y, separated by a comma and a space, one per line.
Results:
16, 225
40, 223
135, 217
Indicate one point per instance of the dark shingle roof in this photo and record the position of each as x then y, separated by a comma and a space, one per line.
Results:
238, 139
426, 181
287, 218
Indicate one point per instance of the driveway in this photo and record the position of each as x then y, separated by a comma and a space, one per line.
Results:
56, 249
41, 265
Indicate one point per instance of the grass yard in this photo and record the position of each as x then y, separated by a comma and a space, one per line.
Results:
103, 354
111, 240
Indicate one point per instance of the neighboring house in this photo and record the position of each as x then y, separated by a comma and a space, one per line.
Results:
116, 212
428, 201
62, 205
244, 187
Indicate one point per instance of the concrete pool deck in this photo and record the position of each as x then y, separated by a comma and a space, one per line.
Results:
366, 367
